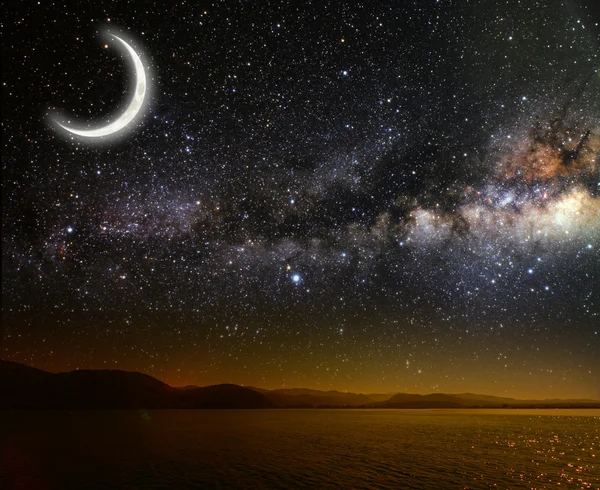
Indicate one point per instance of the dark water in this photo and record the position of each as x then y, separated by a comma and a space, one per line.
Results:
438, 449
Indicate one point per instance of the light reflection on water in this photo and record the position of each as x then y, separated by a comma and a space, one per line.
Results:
300, 448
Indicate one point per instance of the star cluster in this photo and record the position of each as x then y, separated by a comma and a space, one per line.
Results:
364, 196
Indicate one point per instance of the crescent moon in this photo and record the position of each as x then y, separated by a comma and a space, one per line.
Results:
132, 109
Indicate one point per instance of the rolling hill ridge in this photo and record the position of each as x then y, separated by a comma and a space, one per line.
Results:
23, 386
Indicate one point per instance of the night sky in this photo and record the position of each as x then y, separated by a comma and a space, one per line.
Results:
363, 196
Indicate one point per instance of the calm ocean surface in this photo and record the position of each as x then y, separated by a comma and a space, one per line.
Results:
179, 449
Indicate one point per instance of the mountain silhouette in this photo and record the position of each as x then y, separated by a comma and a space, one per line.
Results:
223, 396
26, 387
23, 386
306, 398
470, 400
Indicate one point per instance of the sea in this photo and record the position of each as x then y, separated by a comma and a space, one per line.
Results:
304, 448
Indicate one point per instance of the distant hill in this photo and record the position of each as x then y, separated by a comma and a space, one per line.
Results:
487, 399
469, 400
436, 400
306, 398
188, 387
223, 396
26, 387
23, 386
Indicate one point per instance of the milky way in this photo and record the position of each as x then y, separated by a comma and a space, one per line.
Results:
353, 196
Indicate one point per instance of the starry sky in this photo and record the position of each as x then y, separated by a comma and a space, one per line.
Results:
369, 196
